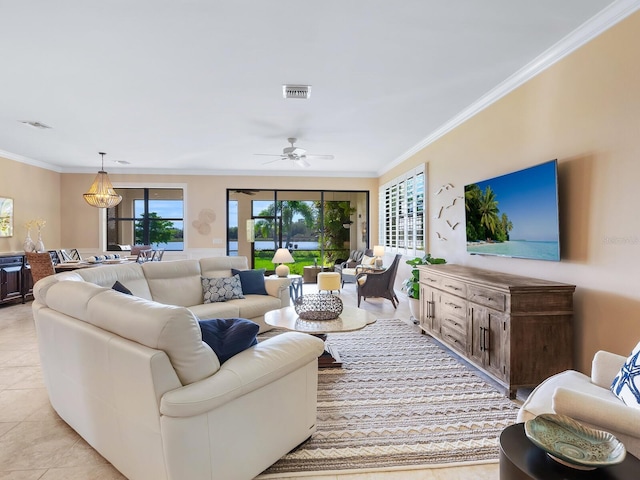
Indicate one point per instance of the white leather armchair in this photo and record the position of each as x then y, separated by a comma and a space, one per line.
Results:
588, 400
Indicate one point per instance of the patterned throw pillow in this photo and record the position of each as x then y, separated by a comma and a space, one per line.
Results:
626, 385
221, 289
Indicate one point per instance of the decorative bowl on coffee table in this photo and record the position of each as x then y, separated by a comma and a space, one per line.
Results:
317, 306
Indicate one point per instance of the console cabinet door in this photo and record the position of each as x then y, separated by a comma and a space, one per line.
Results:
11, 281
488, 332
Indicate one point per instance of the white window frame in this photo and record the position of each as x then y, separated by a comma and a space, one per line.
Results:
400, 213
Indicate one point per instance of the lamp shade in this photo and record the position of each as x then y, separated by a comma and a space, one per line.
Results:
378, 251
282, 255
101, 193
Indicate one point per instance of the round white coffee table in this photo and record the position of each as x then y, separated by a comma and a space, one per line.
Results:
351, 319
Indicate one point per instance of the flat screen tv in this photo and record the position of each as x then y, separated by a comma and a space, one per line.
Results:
515, 215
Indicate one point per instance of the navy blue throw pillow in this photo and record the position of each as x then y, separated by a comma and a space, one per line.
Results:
118, 287
229, 336
252, 281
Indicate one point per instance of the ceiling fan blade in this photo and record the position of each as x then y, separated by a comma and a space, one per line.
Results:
270, 154
301, 162
323, 157
271, 161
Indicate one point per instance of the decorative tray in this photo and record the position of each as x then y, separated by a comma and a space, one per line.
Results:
572, 444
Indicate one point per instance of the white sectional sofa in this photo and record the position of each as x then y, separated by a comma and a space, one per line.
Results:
179, 283
131, 374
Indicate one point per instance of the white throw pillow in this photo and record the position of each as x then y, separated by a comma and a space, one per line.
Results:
626, 385
368, 260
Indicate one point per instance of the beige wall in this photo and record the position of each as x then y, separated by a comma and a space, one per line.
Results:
36, 194
201, 192
584, 111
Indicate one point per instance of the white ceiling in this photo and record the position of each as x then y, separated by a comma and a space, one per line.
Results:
195, 86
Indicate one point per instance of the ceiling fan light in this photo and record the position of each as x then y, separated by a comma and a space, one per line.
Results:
101, 193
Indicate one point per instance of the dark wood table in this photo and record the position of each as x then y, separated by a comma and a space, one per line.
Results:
522, 460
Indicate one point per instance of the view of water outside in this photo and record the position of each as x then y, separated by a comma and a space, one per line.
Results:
268, 245
164, 209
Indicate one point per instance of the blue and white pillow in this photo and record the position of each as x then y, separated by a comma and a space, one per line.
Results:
626, 385
221, 289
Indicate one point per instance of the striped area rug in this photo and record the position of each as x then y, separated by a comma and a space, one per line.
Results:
400, 400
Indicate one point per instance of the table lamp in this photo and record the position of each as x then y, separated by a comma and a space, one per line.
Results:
282, 256
378, 253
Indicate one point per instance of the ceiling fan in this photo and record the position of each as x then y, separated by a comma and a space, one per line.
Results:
295, 154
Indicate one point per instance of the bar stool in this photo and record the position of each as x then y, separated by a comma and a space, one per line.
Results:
329, 281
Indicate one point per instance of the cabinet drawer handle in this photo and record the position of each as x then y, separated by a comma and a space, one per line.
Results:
486, 343
455, 340
449, 304
453, 287
452, 322
490, 299
430, 280
483, 339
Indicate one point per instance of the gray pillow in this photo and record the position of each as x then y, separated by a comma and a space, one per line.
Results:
221, 289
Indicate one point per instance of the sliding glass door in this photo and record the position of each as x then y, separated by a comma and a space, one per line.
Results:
318, 227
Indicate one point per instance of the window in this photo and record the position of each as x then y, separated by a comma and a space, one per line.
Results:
401, 212
147, 216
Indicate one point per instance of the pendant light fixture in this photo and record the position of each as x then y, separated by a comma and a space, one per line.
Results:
101, 193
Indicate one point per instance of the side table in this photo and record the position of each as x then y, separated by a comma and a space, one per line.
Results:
311, 273
295, 288
522, 460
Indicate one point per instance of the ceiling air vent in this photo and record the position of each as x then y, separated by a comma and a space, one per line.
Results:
296, 91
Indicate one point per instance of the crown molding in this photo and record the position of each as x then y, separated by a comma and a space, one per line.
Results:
29, 161
227, 173
586, 32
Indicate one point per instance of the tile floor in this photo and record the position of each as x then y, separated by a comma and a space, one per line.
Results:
36, 445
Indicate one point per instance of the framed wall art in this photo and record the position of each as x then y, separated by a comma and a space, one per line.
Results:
6, 217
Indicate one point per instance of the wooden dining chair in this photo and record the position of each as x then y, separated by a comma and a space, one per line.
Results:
55, 258
145, 255
69, 255
41, 265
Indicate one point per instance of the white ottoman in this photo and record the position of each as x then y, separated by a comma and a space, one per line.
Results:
329, 281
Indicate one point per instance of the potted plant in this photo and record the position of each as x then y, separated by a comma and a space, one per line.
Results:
412, 284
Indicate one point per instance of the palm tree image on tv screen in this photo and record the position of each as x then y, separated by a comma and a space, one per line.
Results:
515, 215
